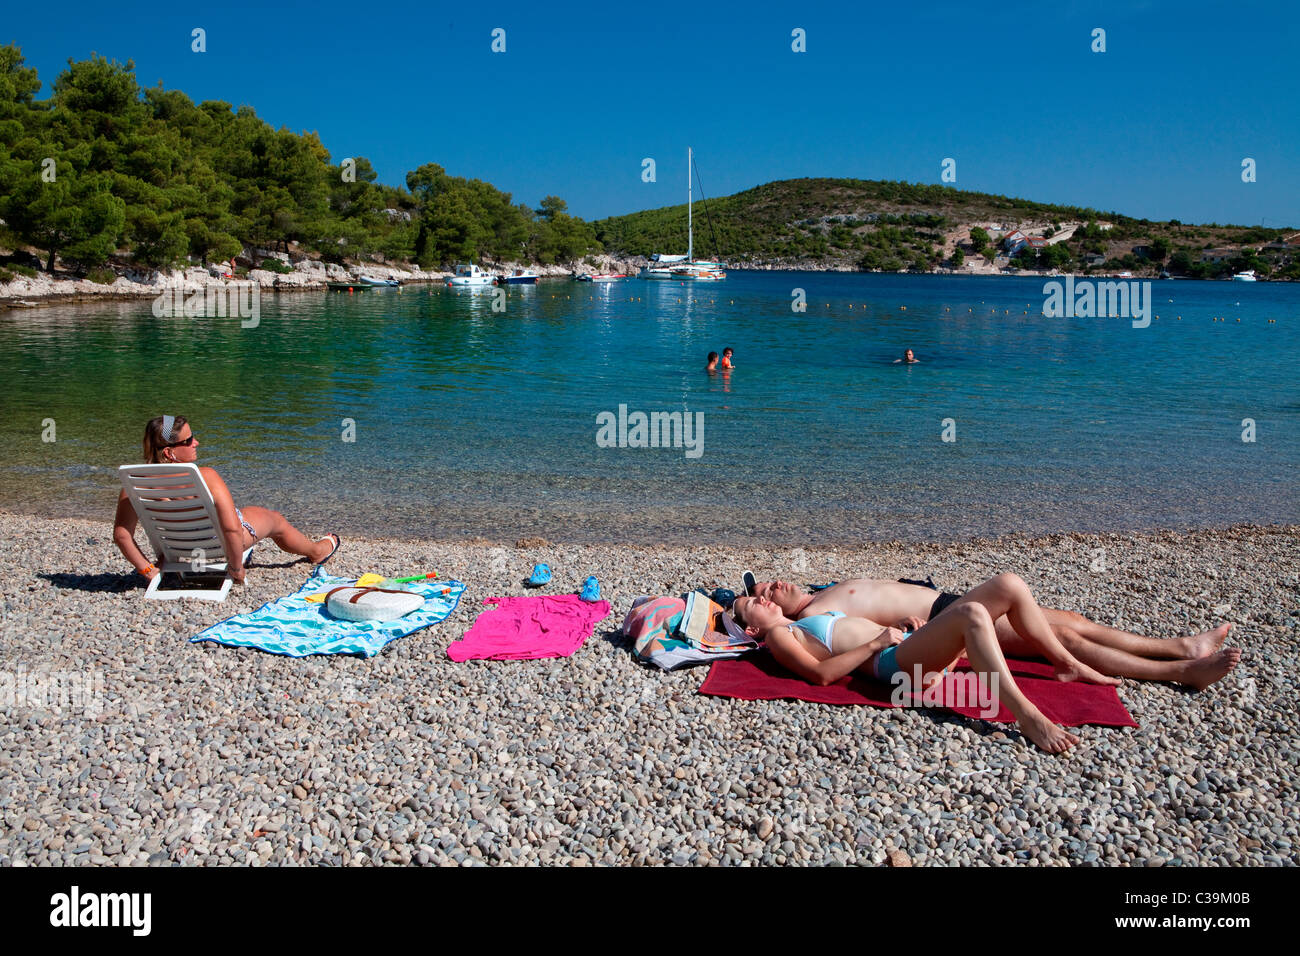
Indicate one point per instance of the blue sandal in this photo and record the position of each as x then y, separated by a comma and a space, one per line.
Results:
541, 576
590, 590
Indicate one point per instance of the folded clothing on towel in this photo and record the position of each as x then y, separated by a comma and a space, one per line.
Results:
1074, 703
672, 632
525, 628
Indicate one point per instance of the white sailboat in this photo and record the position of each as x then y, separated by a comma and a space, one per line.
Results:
687, 266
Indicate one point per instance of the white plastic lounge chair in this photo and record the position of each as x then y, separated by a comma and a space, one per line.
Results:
179, 516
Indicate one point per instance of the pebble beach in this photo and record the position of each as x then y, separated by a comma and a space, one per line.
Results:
198, 754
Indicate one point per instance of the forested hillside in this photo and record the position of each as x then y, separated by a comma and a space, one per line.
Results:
104, 167
887, 226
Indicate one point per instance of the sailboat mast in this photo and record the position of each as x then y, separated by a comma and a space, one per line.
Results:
690, 233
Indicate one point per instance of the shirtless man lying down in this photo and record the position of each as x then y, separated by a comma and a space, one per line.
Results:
1197, 661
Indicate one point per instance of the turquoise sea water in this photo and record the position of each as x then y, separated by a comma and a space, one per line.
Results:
470, 421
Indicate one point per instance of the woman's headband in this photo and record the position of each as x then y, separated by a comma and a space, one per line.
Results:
169, 428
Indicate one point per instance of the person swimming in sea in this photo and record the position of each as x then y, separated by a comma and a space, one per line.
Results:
909, 358
713, 362
726, 358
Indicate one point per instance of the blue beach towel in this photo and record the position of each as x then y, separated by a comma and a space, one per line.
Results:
296, 628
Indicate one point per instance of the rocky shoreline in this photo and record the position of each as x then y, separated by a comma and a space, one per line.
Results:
201, 754
311, 276
307, 275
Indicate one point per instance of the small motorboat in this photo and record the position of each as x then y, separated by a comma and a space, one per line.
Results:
470, 275
371, 280
518, 277
1247, 276
601, 276
349, 286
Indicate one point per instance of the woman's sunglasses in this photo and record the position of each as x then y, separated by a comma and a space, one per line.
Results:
187, 442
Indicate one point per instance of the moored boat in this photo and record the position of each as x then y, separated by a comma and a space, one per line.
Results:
661, 266
601, 276
685, 267
700, 272
470, 275
519, 277
1247, 276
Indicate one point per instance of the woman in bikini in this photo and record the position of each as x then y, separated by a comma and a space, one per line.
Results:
168, 439
825, 647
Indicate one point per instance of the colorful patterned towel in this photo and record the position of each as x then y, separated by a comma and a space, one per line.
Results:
525, 628
296, 628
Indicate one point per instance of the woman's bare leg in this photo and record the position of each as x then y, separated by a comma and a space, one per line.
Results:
970, 625
1008, 594
273, 525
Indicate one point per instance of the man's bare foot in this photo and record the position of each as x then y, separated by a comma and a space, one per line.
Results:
1206, 671
1045, 734
1205, 643
1077, 670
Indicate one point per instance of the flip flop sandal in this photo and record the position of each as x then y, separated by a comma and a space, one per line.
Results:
338, 542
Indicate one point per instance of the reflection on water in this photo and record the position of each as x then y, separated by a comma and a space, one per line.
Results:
474, 420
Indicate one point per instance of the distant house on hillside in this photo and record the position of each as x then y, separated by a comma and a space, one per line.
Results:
1037, 243
1014, 241
1219, 255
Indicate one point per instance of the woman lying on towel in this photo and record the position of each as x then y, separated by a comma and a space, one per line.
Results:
1197, 661
825, 647
169, 438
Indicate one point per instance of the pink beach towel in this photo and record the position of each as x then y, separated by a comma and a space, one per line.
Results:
524, 628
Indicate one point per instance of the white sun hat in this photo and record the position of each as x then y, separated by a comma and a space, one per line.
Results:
371, 604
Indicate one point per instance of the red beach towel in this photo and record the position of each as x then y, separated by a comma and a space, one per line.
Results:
760, 677
524, 628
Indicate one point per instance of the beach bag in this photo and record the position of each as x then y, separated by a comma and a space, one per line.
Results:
371, 604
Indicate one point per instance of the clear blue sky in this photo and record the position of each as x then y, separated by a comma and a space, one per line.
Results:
1157, 126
